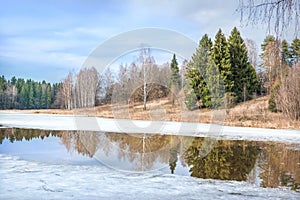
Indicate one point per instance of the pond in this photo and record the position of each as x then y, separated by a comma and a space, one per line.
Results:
95, 165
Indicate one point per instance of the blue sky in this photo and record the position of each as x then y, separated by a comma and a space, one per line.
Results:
46, 39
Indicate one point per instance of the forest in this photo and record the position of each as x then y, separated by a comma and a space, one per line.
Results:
27, 94
221, 73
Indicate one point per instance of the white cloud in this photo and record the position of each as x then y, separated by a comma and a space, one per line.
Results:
44, 51
88, 32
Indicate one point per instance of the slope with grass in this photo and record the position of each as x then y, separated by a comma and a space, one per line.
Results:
252, 113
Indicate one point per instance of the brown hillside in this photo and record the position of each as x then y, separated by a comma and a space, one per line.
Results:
253, 113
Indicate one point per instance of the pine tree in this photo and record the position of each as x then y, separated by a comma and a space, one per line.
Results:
243, 74
196, 73
266, 42
295, 51
285, 53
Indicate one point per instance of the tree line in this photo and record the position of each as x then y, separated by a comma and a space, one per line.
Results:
27, 94
280, 75
221, 73
226, 72
220, 70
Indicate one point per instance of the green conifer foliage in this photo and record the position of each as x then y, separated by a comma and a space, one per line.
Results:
243, 74
196, 73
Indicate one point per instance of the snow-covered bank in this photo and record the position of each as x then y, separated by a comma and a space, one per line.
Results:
70, 122
22, 179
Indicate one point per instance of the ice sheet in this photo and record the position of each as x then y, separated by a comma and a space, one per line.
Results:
22, 179
71, 122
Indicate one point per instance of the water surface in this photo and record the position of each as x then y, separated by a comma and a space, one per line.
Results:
255, 163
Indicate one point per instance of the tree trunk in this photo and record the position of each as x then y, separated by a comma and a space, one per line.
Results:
145, 95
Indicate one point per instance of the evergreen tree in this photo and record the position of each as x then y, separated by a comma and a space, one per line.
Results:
23, 100
13, 80
285, 53
48, 92
243, 74
196, 73
30, 95
3, 85
295, 51
267, 40
220, 56
175, 77
215, 85
38, 95
44, 95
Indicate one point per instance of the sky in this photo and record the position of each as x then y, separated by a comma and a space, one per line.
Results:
44, 40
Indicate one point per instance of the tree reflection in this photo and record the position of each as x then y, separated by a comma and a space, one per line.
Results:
84, 142
142, 150
226, 161
275, 164
281, 166
17, 134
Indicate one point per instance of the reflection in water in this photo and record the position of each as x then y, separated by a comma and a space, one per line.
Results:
228, 160
273, 164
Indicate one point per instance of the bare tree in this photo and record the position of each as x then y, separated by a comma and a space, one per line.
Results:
66, 91
280, 14
183, 72
141, 80
147, 65
86, 87
271, 63
147, 87
252, 52
288, 97
107, 82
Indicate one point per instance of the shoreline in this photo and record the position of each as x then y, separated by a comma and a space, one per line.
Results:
84, 123
252, 113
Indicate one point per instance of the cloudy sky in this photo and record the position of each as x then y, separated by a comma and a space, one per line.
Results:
46, 39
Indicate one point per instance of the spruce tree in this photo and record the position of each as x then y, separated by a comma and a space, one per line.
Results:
175, 77
243, 74
30, 95
285, 53
24, 96
215, 85
220, 56
295, 51
48, 94
196, 72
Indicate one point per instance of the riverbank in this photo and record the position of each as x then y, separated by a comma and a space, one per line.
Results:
71, 122
253, 113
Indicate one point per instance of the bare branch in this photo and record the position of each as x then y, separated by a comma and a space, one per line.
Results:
277, 14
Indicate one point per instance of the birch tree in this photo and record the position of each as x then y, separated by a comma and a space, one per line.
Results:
147, 65
66, 91
277, 14
86, 87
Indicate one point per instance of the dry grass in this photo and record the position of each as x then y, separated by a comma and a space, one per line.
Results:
253, 113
